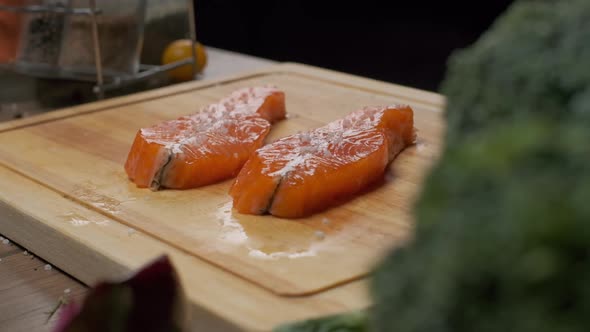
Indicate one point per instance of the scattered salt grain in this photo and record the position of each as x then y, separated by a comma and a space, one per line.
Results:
0, 259
305, 137
223, 130
47, 267
346, 122
67, 290
105, 222
5, 241
320, 235
26, 253
420, 146
130, 231
307, 149
325, 221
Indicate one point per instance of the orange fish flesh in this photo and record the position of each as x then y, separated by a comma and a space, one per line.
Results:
205, 147
307, 172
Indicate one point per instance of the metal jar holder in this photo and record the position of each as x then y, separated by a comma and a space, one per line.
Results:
102, 85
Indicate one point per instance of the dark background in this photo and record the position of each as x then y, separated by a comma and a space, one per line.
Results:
405, 42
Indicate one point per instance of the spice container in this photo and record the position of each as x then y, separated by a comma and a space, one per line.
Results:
41, 37
120, 36
98, 41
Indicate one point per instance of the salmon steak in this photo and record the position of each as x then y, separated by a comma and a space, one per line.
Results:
206, 147
308, 172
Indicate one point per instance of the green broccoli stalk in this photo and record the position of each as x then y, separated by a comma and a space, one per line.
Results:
535, 60
501, 244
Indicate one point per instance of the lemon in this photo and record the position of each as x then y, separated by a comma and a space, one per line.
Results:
180, 50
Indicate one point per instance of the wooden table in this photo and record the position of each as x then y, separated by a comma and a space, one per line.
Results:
29, 287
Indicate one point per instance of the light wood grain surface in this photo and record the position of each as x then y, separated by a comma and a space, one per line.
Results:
28, 291
81, 157
221, 300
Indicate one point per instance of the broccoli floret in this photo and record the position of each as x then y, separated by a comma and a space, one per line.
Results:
503, 223
502, 240
534, 60
356, 321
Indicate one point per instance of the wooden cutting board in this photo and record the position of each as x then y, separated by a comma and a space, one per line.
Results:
72, 162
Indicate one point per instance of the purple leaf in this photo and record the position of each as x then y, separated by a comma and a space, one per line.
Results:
151, 300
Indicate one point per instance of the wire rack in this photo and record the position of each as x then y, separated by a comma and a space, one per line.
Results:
102, 83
